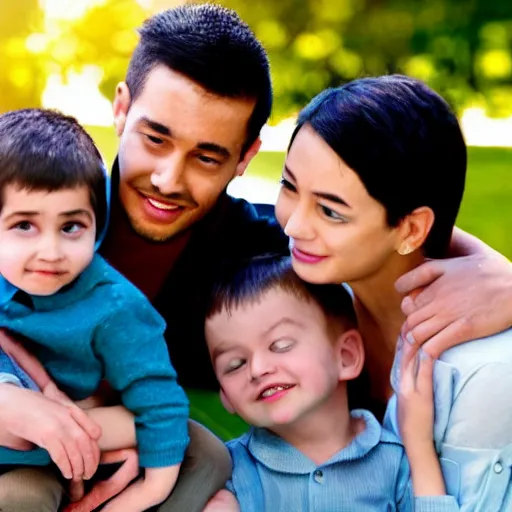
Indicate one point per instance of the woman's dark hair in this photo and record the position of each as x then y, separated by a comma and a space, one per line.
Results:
212, 46
46, 150
403, 141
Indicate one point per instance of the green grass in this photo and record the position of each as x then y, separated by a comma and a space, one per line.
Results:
486, 212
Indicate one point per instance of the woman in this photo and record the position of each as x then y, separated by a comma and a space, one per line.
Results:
371, 186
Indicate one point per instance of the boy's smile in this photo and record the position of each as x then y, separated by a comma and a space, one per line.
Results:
46, 238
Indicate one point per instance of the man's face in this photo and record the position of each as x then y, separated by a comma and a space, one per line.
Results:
180, 147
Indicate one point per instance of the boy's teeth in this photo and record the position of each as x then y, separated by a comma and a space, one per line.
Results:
162, 206
271, 391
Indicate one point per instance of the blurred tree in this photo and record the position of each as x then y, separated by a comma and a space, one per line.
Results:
22, 79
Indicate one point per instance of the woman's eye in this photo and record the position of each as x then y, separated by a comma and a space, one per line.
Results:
332, 215
233, 365
287, 185
282, 345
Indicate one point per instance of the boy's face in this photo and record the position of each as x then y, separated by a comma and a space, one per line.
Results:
46, 238
180, 146
275, 359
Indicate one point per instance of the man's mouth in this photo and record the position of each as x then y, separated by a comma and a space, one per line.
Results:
273, 390
162, 206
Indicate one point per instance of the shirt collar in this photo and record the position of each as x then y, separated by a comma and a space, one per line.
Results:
278, 455
7, 291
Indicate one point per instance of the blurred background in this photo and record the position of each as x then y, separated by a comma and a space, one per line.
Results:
70, 54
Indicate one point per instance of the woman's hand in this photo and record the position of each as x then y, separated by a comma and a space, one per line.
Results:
448, 302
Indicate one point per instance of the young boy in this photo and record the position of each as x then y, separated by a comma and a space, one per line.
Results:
283, 352
84, 322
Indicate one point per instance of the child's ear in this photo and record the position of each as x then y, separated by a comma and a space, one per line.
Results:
226, 403
351, 354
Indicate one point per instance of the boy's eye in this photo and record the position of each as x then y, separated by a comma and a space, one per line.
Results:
234, 364
71, 228
282, 345
24, 225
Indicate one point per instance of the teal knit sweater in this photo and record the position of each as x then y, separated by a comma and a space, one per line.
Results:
102, 327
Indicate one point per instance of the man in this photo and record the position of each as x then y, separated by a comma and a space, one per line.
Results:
196, 95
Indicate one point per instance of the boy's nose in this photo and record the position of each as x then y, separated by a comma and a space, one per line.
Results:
260, 366
51, 251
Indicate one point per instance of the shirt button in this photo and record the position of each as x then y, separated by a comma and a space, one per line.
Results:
318, 476
498, 467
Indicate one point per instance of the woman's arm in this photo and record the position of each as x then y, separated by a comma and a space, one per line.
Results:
448, 302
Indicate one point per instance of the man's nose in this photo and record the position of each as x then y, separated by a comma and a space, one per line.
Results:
169, 175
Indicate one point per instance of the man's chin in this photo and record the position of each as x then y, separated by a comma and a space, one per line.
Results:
152, 234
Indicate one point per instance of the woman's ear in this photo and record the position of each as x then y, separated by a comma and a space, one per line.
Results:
225, 402
351, 354
120, 107
414, 229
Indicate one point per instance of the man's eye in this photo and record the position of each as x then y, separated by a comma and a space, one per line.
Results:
153, 139
208, 160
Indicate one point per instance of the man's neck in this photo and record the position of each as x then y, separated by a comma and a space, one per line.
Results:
146, 264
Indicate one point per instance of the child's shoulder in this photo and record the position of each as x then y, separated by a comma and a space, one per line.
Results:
111, 283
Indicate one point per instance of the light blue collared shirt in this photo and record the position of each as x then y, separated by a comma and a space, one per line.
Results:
370, 474
473, 421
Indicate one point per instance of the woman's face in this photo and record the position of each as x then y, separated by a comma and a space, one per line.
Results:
338, 232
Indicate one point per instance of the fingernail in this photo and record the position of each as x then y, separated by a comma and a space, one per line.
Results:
410, 338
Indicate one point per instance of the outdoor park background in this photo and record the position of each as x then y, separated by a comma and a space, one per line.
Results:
70, 54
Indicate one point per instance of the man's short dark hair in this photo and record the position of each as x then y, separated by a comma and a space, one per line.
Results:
212, 46
46, 150
403, 141
246, 282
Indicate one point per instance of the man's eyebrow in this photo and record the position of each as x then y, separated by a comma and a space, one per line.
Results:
80, 211
155, 126
324, 195
214, 148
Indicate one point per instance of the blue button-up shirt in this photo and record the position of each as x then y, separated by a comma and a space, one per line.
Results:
473, 421
370, 474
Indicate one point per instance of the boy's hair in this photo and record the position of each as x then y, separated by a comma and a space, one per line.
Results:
403, 141
212, 46
247, 282
46, 150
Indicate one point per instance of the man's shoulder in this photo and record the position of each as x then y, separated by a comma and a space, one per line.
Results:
249, 229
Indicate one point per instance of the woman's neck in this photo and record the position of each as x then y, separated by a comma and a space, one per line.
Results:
380, 318
324, 432
378, 300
